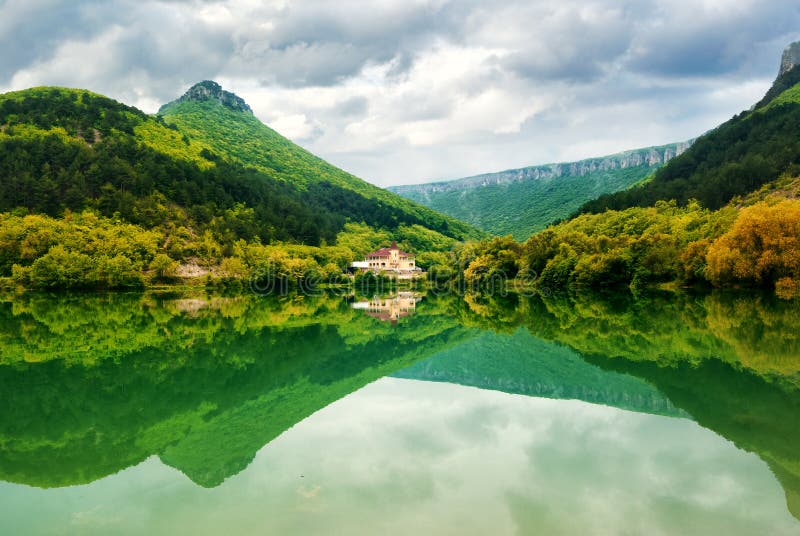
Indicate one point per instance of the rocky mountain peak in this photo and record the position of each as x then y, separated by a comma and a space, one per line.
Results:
209, 90
790, 58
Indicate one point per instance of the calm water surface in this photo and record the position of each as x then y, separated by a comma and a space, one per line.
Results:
164, 414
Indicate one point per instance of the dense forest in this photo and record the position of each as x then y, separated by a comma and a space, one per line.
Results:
96, 194
82, 172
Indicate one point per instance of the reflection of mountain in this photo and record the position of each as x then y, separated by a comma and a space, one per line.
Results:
727, 361
205, 398
522, 364
94, 384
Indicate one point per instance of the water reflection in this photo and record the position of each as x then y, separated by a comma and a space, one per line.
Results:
408, 457
201, 383
389, 308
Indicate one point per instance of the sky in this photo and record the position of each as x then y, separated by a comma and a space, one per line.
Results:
409, 91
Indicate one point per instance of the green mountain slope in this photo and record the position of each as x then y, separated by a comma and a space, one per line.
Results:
738, 157
207, 115
188, 191
523, 201
65, 149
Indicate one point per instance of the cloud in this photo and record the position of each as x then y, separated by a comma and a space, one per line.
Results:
30, 29
408, 90
713, 38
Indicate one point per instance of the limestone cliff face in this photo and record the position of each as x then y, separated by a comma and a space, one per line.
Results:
790, 58
648, 157
210, 90
788, 75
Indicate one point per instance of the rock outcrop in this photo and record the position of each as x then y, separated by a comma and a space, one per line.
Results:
649, 157
788, 75
210, 90
790, 58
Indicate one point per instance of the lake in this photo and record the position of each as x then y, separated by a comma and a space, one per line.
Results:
199, 413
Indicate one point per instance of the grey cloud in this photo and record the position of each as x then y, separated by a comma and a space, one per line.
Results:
305, 64
322, 43
134, 49
423, 107
352, 107
31, 29
569, 41
697, 43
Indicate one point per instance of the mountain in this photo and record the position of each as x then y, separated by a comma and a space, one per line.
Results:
202, 175
523, 201
223, 124
738, 157
725, 213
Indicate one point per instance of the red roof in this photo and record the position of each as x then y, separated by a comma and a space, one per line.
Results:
385, 252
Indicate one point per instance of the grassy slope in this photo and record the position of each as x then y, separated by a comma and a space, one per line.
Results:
791, 95
242, 137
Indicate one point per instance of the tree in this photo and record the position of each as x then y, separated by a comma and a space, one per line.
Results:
762, 247
164, 266
63, 269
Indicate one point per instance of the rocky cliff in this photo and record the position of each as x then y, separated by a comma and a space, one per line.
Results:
788, 74
209, 90
650, 157
790, 58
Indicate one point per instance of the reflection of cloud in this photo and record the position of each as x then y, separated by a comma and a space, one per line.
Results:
93, 518
410, 457
309, 493
508, 464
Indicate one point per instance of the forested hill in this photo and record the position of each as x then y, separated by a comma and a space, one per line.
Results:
72, 149
738, 157
224, 124
199, 178
523, 201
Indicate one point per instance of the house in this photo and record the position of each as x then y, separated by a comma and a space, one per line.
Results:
390, 259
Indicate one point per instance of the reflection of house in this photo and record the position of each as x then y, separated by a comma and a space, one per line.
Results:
390, 309
390, 259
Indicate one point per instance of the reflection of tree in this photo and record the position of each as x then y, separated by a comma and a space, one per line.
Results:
208, 382
758, 332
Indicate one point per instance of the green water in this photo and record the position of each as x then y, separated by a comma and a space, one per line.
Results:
207, 414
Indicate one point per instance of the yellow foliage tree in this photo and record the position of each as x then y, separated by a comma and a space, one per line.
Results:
762, 247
